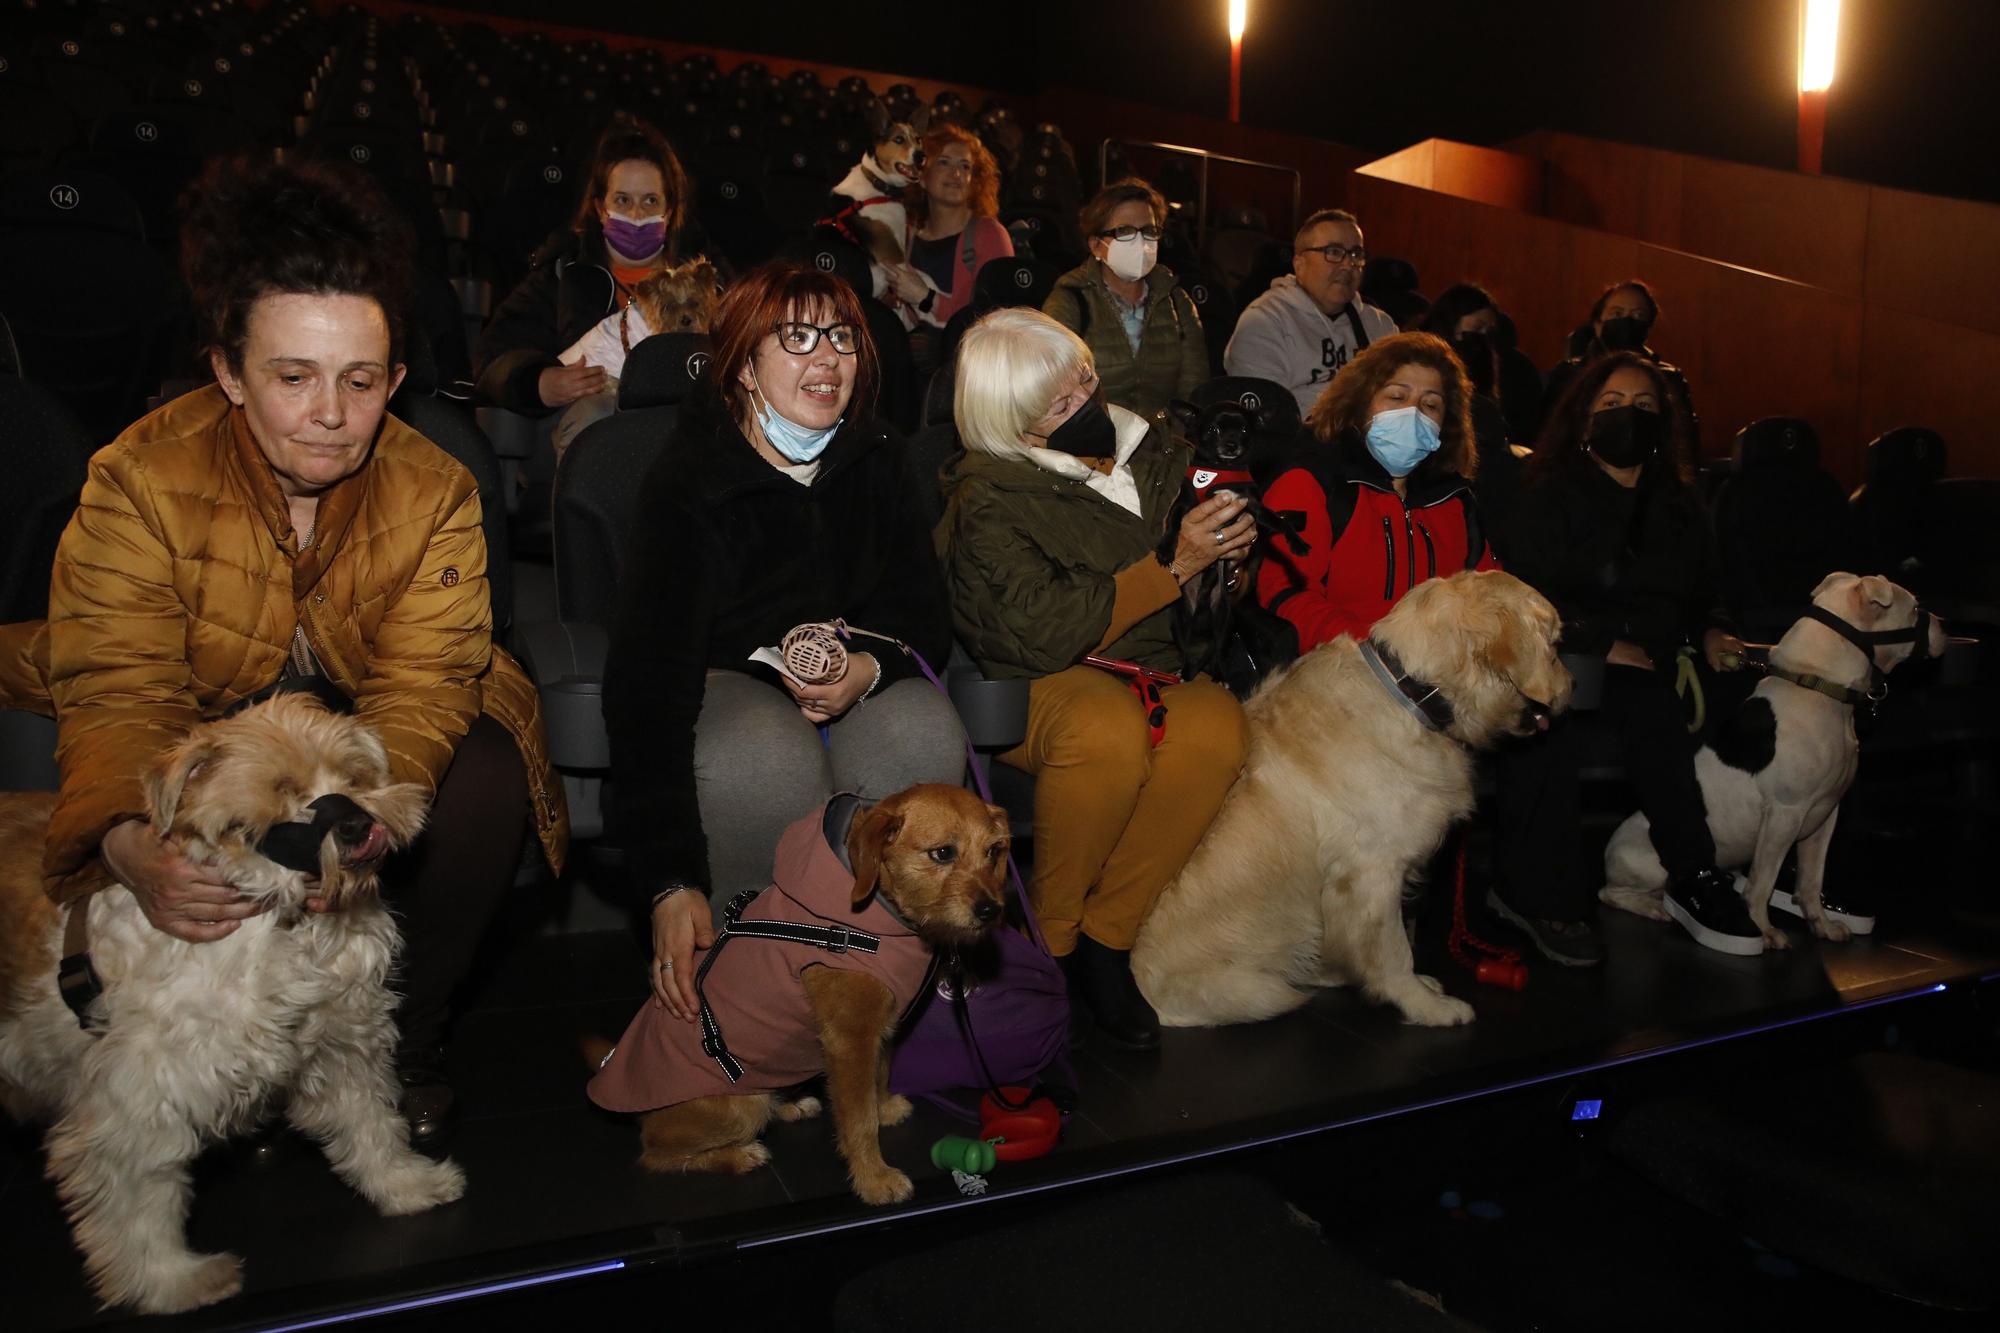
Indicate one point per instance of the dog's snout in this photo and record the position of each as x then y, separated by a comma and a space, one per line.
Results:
986, 911
354, 830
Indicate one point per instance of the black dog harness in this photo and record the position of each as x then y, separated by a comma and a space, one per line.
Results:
833, 939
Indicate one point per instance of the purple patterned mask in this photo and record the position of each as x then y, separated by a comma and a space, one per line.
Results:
635, 239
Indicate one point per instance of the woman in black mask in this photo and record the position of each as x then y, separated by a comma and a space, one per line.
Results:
1055, 550
1620, 321
1506, 400
1611, 530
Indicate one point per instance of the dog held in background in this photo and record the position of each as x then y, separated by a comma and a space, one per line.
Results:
869, 199
1361, 759
679, 299
921, 872
190, 1043
1776, 774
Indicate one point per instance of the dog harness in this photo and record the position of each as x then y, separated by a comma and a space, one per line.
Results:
833, 939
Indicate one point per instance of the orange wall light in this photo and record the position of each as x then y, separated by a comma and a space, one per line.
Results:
1819, 35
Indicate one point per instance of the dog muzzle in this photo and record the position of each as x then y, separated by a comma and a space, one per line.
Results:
296, 846
1917, 634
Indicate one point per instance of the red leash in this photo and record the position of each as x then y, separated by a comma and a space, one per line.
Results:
1145, 683
1501, 966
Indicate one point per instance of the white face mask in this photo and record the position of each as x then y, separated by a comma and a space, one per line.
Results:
1133, 259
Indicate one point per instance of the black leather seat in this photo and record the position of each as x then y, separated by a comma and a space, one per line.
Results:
1781, 525
1899, 470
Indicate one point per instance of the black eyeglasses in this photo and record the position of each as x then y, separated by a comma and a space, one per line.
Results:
799, 338
1336, 254
1130, 233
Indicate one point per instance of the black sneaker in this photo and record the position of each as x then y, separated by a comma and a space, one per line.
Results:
1571, 943
1707, 904
1858, 919
1111, 994
427, 1103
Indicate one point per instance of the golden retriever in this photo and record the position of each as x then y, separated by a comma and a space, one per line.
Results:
1347, 793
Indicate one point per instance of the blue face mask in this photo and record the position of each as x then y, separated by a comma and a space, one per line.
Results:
1401, 439
799, 443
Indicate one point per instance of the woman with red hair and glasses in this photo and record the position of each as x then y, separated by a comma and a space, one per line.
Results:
780, 500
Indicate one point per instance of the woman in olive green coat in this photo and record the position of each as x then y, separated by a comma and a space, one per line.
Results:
1140, 326
1049, 538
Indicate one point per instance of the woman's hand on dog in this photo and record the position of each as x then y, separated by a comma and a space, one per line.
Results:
1717, 642
681, 925
821, 704
559, 386
908, 284
179, 897
1219, 528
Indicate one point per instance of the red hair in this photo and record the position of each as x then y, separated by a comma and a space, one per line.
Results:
769, 295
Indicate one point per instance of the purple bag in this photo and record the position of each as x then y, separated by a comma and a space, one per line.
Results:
1012, 1022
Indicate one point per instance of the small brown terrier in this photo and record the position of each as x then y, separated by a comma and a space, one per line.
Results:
680, 299
937, 858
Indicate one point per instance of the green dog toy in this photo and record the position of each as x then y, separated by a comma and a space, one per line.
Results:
955, 1152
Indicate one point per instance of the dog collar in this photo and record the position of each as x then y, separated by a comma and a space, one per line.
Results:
1425, 701
1916, 633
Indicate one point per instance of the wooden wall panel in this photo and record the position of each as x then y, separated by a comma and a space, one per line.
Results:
1935, 257
1808, 228
1505, 180
1612, 187
1923, 372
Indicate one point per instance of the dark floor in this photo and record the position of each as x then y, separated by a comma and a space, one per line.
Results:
553, 1182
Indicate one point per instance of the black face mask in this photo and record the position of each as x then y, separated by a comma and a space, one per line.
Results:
1627, 333
1625, 436
1476, 351
1088, 433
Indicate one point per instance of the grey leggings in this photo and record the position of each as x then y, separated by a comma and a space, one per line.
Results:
759, 765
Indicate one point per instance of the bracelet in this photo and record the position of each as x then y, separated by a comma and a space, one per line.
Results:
876, 683
673, 889
1174, 569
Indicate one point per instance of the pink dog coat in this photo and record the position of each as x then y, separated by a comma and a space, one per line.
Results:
755, 993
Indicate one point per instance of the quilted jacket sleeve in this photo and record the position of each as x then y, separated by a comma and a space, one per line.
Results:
421, 689
1020, 611
118, 666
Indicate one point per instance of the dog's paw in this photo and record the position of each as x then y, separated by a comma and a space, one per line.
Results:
1775, 938
803, 1108
1828, 929
883, 1185
1434, 1009
893, 1110
202, 1280
1649, 903
415, 1185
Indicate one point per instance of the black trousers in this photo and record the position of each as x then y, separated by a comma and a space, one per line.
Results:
1537, 843
447, 885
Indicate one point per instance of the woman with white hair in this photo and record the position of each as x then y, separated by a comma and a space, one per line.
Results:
1051, 540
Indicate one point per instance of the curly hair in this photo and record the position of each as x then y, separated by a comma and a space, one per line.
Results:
1560, 446
1343, 406
252, 229
629, 139
984, 196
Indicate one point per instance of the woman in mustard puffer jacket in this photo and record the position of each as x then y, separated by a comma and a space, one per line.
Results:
280, 524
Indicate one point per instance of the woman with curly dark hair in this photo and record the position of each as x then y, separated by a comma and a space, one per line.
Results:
1381, 492
278, 529
632, 222
1611, 530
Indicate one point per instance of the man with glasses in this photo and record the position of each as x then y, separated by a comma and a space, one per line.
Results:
1310, 324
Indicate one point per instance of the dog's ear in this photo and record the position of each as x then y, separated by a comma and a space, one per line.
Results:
867, 840
1873, 595
922, 120
1186, 416
169, 776
877, 118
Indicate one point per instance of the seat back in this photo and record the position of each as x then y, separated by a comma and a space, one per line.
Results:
1781, 525
1900, 468
48, 452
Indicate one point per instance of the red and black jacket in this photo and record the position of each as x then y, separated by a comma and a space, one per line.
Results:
1357, 546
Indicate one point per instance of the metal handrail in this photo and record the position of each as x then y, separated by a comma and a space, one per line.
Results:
1201, 202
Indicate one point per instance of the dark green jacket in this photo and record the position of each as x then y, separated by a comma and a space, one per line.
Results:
1030, 559
1173, 351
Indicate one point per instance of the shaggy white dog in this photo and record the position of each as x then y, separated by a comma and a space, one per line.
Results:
190, 1043
1347, 792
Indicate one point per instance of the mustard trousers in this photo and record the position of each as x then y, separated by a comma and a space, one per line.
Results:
1115, 816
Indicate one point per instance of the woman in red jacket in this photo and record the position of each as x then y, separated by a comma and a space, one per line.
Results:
1383, 500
